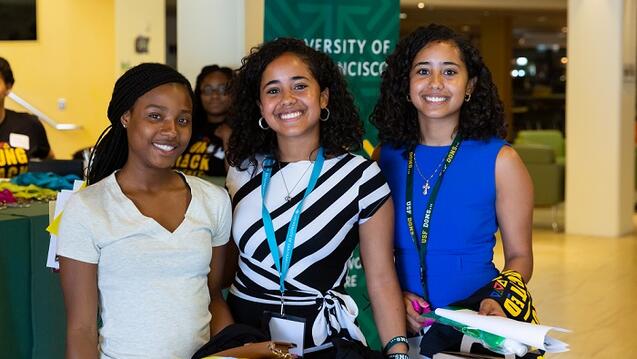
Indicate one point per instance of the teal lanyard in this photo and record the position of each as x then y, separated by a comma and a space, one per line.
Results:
426, 221
283, 264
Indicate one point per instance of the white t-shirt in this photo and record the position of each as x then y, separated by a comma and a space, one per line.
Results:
153, 288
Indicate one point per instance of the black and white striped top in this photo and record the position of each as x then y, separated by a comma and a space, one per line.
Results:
349, 191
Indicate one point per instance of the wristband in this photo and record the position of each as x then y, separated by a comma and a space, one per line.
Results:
398, 356
395, 340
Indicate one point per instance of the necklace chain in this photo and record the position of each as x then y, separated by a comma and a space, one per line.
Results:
426, 187
288, 197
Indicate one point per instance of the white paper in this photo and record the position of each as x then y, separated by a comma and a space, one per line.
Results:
534, 335
19, 141
62, 197
289, 331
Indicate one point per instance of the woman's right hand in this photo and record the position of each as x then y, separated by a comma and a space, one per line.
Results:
414, 319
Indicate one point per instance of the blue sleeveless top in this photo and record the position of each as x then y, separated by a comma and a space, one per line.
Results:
464, 223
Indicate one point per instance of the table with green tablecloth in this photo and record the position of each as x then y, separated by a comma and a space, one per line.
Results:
32, 319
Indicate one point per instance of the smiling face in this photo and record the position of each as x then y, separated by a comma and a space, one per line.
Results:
291, 99
214, 94
438, 82
159, 126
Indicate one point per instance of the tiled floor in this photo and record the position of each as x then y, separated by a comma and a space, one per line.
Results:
588, 285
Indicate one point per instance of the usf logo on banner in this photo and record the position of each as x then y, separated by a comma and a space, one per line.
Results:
358, 35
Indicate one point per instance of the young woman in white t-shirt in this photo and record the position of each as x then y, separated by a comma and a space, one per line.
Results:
137, 245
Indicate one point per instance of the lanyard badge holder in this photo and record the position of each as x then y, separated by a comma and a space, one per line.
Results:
426, 222
284, 327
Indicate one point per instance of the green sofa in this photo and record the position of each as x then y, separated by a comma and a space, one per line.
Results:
550, 138
542, 151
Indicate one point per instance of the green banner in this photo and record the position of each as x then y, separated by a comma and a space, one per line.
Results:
358, 35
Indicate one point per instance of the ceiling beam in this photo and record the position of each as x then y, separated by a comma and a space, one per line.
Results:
490, 4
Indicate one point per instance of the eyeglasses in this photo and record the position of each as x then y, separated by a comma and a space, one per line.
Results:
208, 90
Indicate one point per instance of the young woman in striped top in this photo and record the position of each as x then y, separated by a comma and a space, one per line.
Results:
302, 202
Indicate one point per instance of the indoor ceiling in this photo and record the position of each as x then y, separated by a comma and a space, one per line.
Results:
531, 26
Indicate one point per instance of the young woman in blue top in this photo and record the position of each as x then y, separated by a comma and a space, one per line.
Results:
441, 125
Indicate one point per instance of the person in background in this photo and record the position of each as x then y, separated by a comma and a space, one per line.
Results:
140, 242
302, 203
205, 155
20, 129
455, 183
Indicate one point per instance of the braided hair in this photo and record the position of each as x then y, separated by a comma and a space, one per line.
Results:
111, 150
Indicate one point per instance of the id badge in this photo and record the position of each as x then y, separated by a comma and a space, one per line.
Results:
286, 328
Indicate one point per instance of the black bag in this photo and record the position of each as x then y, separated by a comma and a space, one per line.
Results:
232, 336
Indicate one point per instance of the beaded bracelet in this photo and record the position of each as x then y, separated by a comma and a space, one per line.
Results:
395, 340
398, 356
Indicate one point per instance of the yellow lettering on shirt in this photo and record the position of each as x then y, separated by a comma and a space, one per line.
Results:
21, 156
511, 308
519, 291
198, 147
9, 154
184, 161
194, 161
204, 165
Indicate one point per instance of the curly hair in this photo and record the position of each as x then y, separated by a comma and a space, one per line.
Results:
397, 119
341, 133
199, 116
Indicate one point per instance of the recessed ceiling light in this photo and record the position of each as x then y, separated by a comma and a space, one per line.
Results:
403, 15
421, 5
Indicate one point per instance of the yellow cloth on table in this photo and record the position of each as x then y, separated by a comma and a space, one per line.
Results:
29, 192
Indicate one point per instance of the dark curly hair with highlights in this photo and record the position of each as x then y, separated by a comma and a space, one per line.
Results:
397, 119
341, 133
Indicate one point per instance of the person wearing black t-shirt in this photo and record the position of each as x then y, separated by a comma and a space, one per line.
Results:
205, 155
19, 129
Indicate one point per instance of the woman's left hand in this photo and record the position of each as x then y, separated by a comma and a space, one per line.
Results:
489, 306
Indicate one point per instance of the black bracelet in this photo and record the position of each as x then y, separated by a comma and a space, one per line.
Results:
398, 356
395, 340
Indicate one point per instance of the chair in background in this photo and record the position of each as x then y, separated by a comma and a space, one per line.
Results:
550, 138
547, 175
